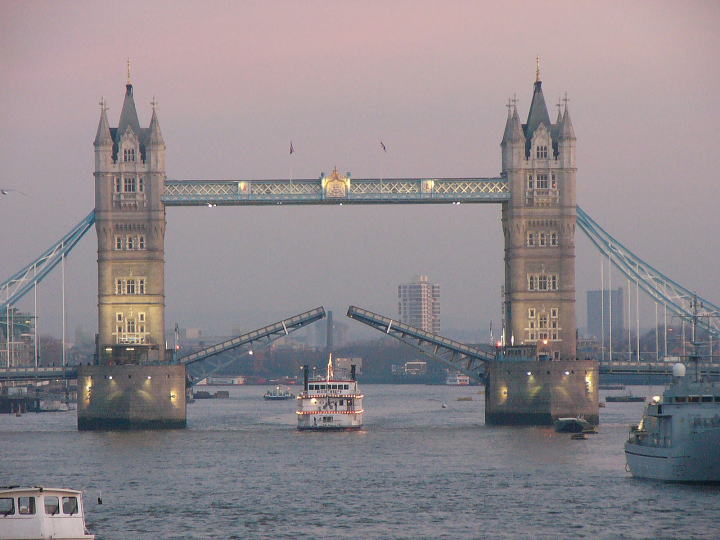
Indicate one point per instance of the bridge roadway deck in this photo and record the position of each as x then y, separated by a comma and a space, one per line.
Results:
353, 191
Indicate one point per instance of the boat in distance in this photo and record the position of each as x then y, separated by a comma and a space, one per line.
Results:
624, 398
330, 403
39, 513
572, 425
678, 438
278, 394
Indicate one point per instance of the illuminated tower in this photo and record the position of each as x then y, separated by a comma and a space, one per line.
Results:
538, 159
130, 224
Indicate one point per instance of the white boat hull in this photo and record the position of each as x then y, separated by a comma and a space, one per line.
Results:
697, 460
330, 422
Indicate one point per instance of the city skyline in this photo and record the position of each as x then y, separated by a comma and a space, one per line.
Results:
228, 113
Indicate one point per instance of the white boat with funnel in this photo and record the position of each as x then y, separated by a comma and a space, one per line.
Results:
38, 513
330, 402
678, 438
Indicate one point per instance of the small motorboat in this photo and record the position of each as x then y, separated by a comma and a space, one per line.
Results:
277, 394
572, 425
38, 513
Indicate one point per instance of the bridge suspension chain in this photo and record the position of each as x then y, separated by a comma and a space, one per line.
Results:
18, 285
657, 285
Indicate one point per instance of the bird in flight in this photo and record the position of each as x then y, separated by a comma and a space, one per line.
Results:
7, 191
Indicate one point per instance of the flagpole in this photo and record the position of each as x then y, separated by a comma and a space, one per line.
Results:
292, 151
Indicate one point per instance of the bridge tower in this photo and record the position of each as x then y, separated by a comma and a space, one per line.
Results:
538, 159
130, 224
133, 385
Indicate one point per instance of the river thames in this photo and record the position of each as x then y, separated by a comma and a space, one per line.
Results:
416, 470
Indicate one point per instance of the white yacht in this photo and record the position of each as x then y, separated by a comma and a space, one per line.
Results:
678, 438
330, 403
37, 513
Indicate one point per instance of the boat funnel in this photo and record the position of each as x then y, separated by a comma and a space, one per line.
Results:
305, 376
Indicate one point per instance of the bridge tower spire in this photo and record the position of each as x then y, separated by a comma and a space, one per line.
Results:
538, 160
130, 224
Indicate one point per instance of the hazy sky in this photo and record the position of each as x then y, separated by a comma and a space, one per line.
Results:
236, 81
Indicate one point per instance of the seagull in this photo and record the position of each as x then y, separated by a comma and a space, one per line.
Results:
8, 190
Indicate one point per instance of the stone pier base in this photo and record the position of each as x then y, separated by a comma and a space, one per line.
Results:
131, 397
538, 393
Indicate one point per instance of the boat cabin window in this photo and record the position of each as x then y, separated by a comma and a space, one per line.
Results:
707, 399
347, 387
7, 506
680, 399
70, 505
26, 505
717, 399
694, 399
311, 387
342, 402
52, 505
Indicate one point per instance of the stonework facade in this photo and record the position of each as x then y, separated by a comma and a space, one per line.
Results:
538, 160
130, 224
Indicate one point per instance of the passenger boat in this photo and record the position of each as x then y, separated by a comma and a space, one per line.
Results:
37, 513
278, 394
678, 438
330, 403
457, 379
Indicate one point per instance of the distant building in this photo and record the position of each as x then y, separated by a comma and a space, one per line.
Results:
609, 305
419, 304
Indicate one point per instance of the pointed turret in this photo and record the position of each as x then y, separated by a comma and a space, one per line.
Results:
538, 113
156, 138
566, 128
103, 137
128, 115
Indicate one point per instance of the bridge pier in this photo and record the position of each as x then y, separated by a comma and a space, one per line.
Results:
131, 397
532, 392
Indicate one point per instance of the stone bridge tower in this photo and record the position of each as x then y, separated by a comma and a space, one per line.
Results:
130, 224
538, 159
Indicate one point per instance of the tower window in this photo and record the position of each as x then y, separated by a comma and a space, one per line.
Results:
119, 317
141, 184
129, 154
131, 326
118, 184
531, 239
131, 286
543, 239
530, 181
119, 286
141, 242
542, 181
141, 290
118, 242
130, 184
141, 317
554, 239
554, 312
531, 313
542, 282
541, 152
130, 242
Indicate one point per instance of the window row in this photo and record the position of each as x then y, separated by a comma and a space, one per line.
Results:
130, 286
129, 184
550, 336
540, 181
542, 282
26, 505
129, 242
543, 324
120, 317
328, 387
532, 313
542, 239
541, 152
129, 154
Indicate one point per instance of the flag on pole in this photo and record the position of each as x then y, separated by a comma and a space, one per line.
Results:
382, 145
292, 149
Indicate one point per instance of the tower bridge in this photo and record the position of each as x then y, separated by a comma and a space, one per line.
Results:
536, 189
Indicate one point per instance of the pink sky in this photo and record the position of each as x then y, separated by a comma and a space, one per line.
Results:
237, 81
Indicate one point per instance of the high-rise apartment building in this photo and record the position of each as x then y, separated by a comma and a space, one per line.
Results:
419, 304
610, 306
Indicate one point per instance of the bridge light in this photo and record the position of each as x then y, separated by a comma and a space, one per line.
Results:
529, 373
567, 372
250, 352
110, 377
149, 377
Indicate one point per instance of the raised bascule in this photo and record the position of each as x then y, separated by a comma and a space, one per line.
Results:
533, 377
